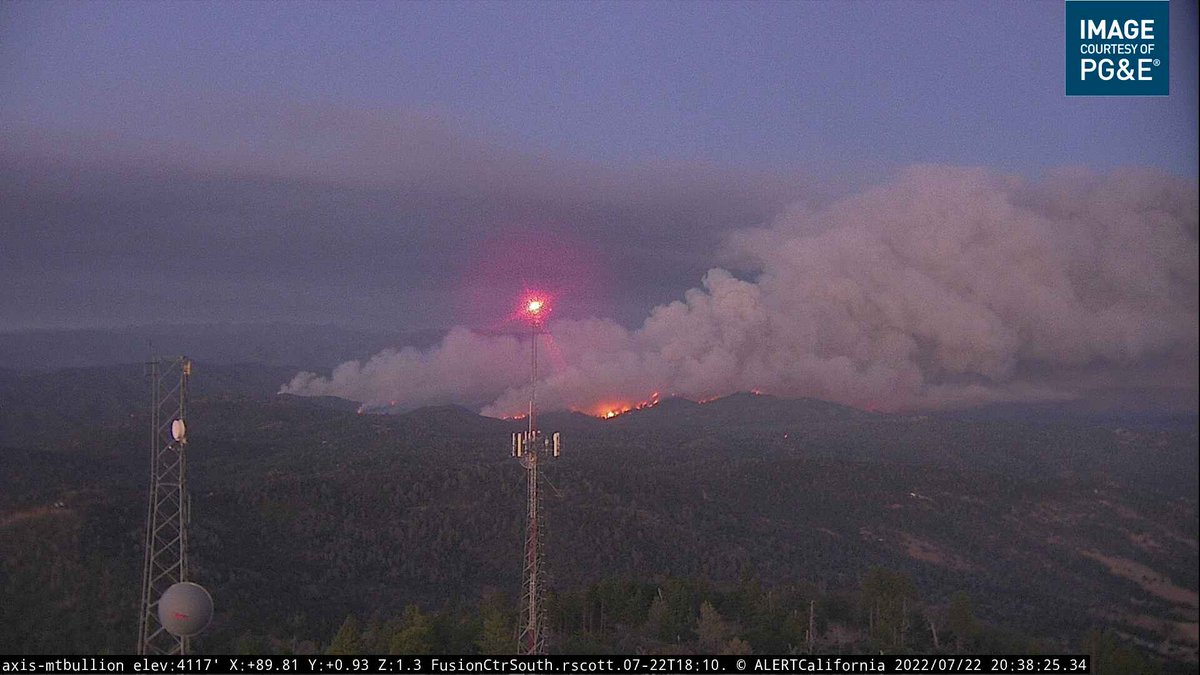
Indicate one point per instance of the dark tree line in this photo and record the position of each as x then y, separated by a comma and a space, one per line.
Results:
885, 614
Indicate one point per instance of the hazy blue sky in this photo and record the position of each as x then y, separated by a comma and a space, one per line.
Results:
386, 163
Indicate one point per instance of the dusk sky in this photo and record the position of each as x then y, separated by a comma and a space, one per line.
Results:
415, 165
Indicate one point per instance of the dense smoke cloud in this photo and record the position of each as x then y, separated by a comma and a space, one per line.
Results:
940, 287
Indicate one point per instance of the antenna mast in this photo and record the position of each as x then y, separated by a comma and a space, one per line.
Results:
528, 446
167, 516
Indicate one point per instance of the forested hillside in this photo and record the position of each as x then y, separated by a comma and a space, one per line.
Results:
684, 527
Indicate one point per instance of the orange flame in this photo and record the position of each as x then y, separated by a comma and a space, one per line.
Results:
610, 410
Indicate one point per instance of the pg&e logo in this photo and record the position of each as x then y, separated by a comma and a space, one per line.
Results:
1117, 48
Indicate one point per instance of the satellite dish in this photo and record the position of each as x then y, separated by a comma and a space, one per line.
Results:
185, 609
179, 430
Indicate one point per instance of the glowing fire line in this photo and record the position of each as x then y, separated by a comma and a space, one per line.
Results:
611, 410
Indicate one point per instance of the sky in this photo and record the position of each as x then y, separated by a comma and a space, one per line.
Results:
416, 165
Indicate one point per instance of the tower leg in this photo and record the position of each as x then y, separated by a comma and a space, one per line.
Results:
165, 560
532, 638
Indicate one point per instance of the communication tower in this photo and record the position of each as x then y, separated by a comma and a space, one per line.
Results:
168, 513
528, 446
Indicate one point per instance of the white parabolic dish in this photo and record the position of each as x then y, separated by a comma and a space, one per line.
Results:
185, 609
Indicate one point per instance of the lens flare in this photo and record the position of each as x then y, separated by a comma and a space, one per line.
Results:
534, 308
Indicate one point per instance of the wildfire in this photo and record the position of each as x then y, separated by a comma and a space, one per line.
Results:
611, 410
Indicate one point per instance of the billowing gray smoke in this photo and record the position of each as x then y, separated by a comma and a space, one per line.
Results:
945, 286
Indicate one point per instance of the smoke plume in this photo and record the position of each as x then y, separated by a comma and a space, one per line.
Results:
944, 286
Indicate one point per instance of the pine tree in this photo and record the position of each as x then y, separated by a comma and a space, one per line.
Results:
714, 632
886, 595
960, 620
497, 635
347, 641
658, 619
415, 635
